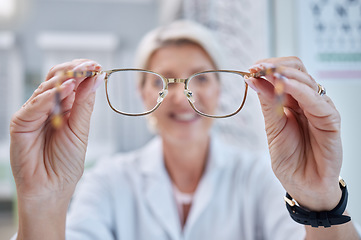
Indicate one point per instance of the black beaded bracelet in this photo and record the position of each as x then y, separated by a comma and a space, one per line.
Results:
324, 218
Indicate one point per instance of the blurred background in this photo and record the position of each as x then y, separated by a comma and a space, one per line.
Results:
38, 34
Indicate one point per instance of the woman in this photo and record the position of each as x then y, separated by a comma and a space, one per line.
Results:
185, 184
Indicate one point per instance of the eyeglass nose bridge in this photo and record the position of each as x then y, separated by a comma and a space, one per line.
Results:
186, 92
177, 80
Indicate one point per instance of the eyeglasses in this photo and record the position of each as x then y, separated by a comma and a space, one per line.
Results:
138, 92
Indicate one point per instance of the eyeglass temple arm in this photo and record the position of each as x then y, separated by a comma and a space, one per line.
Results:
261, 73
85, 74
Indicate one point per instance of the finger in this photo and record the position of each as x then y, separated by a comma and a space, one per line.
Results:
79, 119
67, 103
60, 78
292, 73
69, 66
35, 113
309, 102
85, 66
307, 110
301, 88
292, 62
51, 83
283, 70
279, 93
309, 99
267, 90
279, 77
262, 86
318, 114
273, 116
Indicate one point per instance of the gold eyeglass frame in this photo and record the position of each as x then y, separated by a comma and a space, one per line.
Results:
164, 91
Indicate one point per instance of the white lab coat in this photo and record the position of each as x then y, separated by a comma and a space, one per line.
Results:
129, 196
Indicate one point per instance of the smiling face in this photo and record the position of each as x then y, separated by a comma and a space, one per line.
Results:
176, 119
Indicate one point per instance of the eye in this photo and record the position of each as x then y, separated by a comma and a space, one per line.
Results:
157, 82
201, 79
153, 81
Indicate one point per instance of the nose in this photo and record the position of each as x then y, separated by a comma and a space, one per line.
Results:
176, 93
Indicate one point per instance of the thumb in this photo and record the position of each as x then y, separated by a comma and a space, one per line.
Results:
271, 104
80, 114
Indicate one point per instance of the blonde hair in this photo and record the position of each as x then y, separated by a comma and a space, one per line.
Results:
178, 33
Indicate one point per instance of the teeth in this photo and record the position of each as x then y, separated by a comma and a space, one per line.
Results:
185, 116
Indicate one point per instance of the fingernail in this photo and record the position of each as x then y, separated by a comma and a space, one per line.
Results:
261, 66
84, 66
267, 65
98, 67
251, 84
99, 79
255, 66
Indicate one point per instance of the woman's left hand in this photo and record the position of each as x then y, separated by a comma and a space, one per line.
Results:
304, 139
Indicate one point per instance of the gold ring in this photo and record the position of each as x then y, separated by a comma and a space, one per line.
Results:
321, 90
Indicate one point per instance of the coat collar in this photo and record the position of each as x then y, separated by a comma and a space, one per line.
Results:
152, 161
158, 189
207, 187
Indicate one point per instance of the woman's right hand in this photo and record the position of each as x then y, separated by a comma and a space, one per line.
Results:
47, 162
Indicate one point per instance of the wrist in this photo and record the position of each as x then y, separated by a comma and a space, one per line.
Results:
319, 197
43, 204
40, 209
320, 218
42, 218
322, 201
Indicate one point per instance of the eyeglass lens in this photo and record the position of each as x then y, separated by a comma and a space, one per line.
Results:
217, 93
213, 93
127, 91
